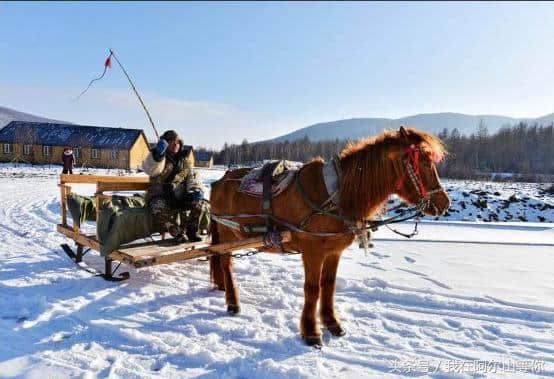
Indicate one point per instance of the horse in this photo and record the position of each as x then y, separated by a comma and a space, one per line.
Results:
401, 162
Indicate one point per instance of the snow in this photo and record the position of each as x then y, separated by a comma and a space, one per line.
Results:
459, 294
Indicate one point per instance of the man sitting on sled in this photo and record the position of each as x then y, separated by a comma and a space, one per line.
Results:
175, 190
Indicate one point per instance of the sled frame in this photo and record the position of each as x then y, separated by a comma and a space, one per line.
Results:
136, 254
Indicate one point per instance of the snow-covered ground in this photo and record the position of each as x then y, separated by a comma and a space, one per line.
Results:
461, 299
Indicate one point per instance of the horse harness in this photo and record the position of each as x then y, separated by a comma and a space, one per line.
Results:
331, 207
332, 176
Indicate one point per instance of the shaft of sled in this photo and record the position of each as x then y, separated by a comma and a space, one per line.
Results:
222, 248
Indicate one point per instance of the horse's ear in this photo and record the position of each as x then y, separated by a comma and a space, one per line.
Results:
403, 133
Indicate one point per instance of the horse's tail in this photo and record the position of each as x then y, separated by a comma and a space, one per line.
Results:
216, 271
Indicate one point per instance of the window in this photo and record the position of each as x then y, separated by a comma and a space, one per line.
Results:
115, 155
47, 151
7, 148
77, 152
94, 153
27, 149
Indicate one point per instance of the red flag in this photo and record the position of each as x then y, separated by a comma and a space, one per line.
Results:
108, 62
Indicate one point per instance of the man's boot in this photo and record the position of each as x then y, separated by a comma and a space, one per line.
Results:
192, 234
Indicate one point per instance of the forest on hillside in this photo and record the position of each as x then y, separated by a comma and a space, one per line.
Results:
520, 152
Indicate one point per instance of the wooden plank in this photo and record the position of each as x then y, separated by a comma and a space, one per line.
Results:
169, 256
64, 191
157, 248
246, 243
176, 257
92, 179
83, 239
110, 186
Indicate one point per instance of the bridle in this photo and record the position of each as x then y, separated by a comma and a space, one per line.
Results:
412, 170
411, 164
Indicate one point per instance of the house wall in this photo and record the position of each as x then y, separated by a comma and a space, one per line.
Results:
7, 157
104, 156
208, 164
138, 152
191, 158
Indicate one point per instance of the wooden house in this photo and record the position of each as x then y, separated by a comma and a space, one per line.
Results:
204, 159
189, 152
93, 146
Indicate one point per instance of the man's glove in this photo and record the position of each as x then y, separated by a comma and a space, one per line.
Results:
159, 150
194, 196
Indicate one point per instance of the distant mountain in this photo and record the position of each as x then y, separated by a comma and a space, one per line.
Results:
8, 115
356, 128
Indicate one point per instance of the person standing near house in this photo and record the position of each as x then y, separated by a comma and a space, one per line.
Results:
175, 189
68, 160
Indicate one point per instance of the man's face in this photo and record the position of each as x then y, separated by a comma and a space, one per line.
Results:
173, 147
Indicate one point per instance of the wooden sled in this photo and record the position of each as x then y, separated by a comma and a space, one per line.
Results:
137, 254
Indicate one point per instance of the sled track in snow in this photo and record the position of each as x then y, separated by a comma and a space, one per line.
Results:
403, 301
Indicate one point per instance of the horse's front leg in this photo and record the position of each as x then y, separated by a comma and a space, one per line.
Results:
328, 284
231, 293
309, 328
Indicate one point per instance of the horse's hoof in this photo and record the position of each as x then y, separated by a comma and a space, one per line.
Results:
314, 341
233, 309
336, 330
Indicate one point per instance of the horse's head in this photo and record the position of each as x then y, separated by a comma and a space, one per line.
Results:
417, 153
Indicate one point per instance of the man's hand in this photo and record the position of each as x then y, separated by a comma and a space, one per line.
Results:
159, 150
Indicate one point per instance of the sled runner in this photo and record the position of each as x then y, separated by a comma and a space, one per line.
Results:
136, 253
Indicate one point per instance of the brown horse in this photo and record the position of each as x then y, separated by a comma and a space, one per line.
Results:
401, 162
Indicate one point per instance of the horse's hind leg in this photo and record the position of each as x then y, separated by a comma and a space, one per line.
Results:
328, 284
231, 293
308, 323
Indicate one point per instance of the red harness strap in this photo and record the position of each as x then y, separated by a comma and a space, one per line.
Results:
412, 159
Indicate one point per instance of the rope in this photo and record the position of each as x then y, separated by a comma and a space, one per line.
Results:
136, 93
98, 78
108, 64
226, 221
415, 231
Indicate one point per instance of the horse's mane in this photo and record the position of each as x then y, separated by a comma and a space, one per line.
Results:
370, 169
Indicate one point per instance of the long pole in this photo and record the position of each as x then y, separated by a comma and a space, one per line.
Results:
136, 93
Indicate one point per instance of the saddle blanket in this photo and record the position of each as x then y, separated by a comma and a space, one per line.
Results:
251, 185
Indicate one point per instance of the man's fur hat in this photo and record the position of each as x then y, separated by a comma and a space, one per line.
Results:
170, 135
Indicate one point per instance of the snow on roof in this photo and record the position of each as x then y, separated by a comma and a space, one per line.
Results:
68, 135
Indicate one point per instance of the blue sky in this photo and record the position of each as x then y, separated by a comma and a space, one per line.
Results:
221, 72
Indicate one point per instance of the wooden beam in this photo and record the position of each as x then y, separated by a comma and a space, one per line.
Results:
93, 179
148, 256
64, 191
83, 239
110, 186
222, 248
